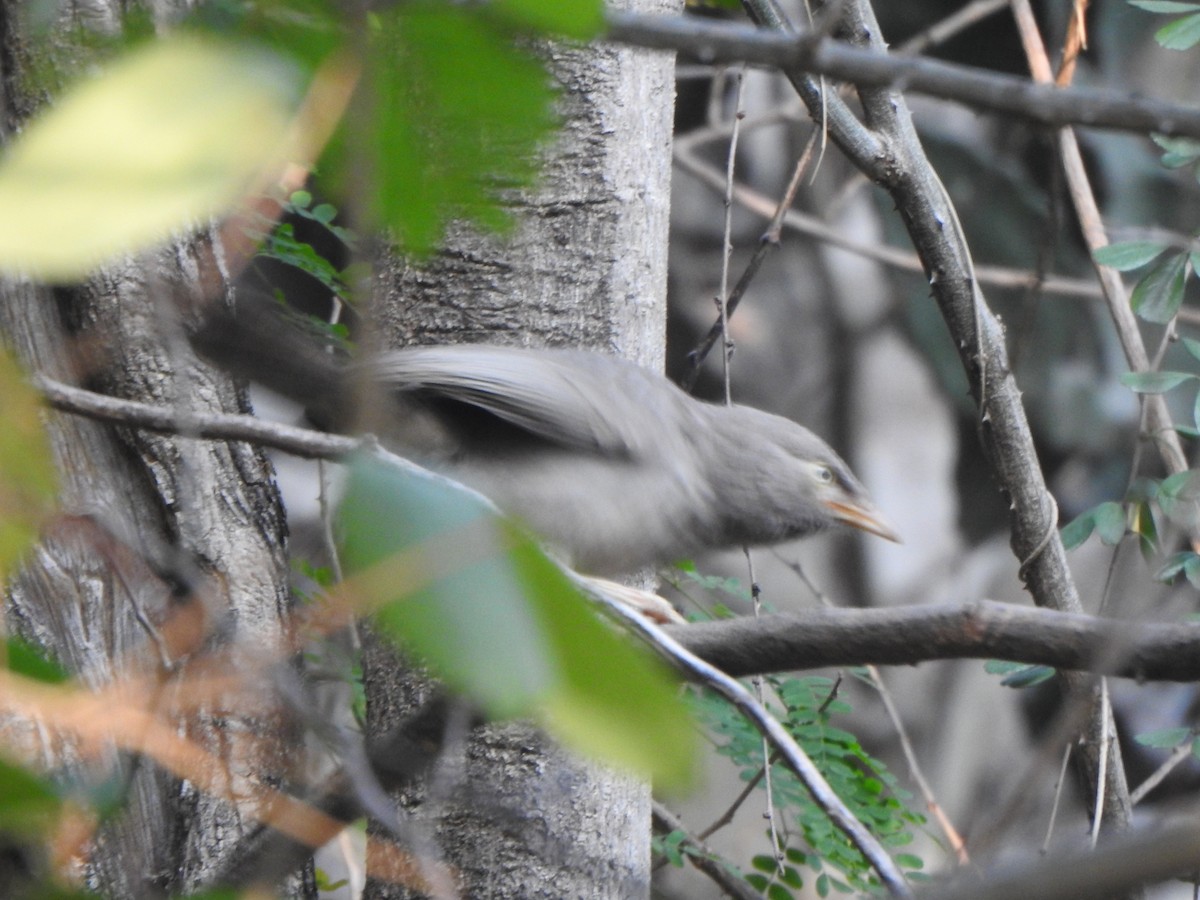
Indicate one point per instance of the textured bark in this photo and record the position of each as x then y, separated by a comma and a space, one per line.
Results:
586, 266
149, 525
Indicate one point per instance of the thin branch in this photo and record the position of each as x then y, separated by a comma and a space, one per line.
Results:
1181, 752
720, 42
950, 26
303, 442
810, 226
936, 810
703, 857
769, 241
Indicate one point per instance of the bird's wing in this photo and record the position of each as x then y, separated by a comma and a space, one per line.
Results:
574, 399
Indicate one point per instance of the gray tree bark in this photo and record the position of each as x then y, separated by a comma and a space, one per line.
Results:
586, 266
151, 528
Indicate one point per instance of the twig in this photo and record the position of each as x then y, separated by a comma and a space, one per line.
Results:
810, 226
942, 31
1180, 753
957, 844
703, 857
769, 241
1059, 786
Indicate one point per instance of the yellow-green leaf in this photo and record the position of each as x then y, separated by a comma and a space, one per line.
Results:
27, 477
171, 133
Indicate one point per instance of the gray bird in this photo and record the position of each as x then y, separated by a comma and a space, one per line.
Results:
613, 466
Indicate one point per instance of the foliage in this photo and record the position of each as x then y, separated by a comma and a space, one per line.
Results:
1180, 34
866, 786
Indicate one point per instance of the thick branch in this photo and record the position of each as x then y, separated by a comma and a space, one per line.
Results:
1049, 105
982, 629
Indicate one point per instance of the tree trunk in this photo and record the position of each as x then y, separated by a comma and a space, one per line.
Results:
586, 266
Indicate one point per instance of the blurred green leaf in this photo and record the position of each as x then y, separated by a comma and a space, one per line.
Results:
459, 113
1182, 34
1192, 346
175, 131
579, 19
28, 803
1178, 151
1155, 382
1158, 296
1185, 562
1018, 675
1177, 496
25, 659
1079, 529
28, 481
1130, 255
475, 598
1110, 522
1164, 738
1164, 6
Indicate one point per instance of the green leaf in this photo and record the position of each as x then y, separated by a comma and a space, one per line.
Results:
23, 658
1164, 738
1129, 255
1178, 152
1174, 565
28, 480
475, 598
1146, 528
459, 115
174, 132
909, 861
1182, 34
1019, 675
1177, 496
1155, 382
579, 19
764, 863
1158, 296
1079, 529
1164, 6
28, 804
1110, 522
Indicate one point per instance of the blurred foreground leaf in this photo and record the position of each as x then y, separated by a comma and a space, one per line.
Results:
27, 478
459, 112
175, 131
474, 597
28, 804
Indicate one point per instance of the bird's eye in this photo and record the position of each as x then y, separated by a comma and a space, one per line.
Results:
824, 474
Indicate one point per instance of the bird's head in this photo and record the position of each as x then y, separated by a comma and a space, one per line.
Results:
781, 481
